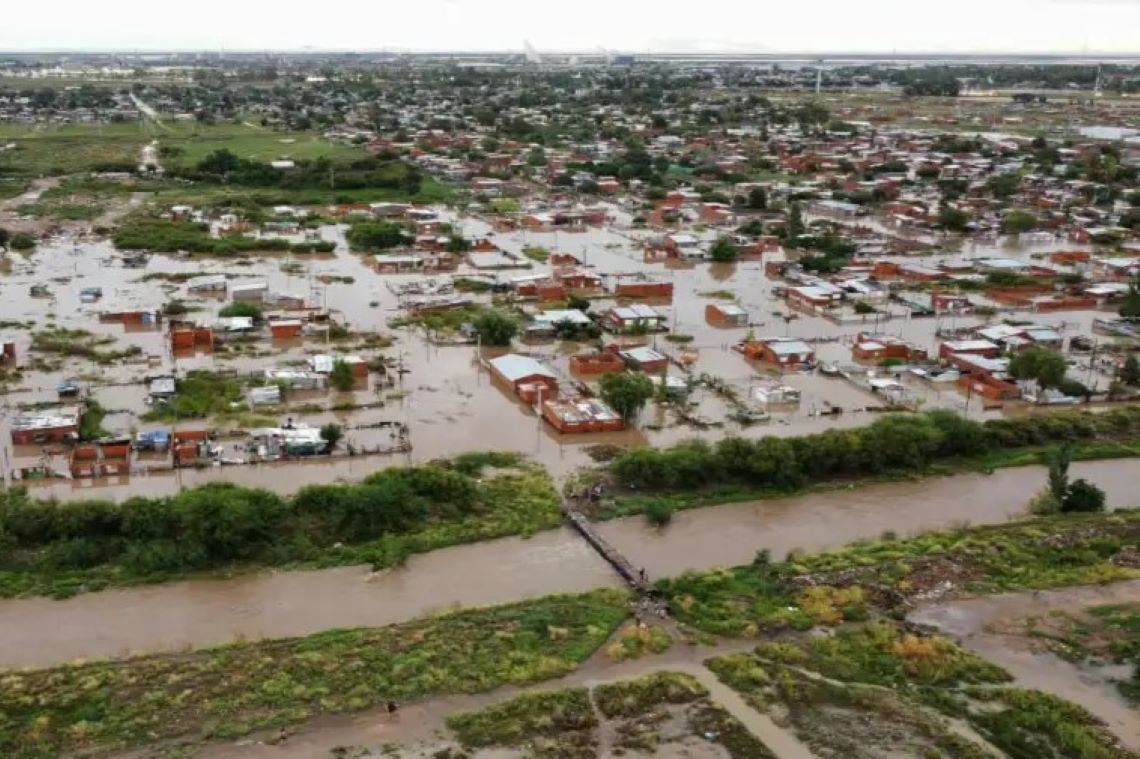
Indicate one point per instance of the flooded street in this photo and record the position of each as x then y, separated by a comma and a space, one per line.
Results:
445, 397
40, 631
970, 622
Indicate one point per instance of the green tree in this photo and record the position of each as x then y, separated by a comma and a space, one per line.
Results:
458, 244
1004, 185
495, 327
626, 392
757, 199
332, 434
366, 235
1059, 473
723, 251
536, 157
5, 236
252, 310
1130, 307
1016, 222
1044, 366
952, 220
341, 376
795, 222
1130, 372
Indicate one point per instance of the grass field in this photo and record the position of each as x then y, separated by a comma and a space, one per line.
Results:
74, 148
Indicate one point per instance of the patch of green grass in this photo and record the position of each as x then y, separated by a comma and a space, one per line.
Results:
633, 698
79, 343
61, 211
189, 143
563, 716
43, 150
199, 395
1035, 553
1029, 724
232, 690
874, 687
535, 253
11, 187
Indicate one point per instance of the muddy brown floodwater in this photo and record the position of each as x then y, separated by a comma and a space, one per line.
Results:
731, 534
42, 632
970, 621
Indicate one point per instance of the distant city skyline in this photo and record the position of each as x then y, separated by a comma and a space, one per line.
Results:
632, 26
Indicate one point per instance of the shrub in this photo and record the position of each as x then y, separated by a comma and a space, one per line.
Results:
1083, 496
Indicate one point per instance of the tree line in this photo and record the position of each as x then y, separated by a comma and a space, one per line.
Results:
221, 524
224, 166
893, 443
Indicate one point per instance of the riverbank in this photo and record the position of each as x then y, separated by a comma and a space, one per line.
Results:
623, 505
894, 447
61, 550
243, 687
209, 612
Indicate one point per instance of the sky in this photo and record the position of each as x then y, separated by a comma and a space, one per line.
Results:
633, 26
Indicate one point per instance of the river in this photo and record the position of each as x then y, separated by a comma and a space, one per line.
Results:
174, 616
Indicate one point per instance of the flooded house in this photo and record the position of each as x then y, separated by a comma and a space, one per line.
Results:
249, 292
644, 359
296, 379
523, 376
581, 415
598, 362
207, 284
726, 315
107, 458
273, 442
775, 393
56, 425
785, 352
635, 318
875, 348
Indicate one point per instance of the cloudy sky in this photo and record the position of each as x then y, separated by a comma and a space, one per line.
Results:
626, 25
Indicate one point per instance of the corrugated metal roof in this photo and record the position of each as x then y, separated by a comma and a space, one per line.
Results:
515, 367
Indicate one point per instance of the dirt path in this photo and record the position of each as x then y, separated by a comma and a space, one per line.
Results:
972, 621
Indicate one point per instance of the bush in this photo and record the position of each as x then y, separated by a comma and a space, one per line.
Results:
496, 327
22, 241
1083, 496
251, 310
659, 513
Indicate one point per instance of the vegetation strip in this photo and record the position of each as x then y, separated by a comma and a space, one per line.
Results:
845, 585
696, 473
61, 549
870, 687
232, 690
